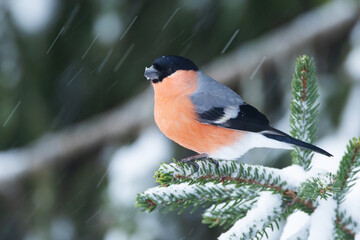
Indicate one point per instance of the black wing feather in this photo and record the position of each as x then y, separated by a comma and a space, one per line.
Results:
212, 115
248, 119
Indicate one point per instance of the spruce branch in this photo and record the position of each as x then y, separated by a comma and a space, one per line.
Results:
349, 166
304, 109
228, 172
184, 195
341, 226
345, 179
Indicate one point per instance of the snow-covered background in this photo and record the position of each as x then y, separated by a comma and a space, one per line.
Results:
77, 137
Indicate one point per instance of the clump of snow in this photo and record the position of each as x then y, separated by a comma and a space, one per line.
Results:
173, 191
297, 226
268, 206
323, 220
293, 175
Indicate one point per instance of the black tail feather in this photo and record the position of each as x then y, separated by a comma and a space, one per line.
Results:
283, 137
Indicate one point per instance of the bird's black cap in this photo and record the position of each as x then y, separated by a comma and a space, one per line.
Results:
166, 65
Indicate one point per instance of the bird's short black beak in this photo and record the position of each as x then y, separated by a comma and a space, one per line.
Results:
151, 73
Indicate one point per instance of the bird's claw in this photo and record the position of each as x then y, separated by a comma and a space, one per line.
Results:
216, 162
202, 157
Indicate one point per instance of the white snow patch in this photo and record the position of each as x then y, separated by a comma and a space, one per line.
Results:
357, 236
32, 16
293, 175
355, 35
297, 226
108, 26
12, 164
150, 229
266, 205
323, 220
336, 143
352, 63
131, 171
131, 168
62, 228
115, 234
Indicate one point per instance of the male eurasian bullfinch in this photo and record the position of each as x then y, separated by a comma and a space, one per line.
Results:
207, 117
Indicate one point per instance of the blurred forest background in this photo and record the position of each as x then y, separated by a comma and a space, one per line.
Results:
77, 135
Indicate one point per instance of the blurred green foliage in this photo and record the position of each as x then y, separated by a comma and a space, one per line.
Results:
198, 30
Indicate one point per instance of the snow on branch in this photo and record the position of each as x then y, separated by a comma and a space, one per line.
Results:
184, 195
317, 187
265, 212
228, 172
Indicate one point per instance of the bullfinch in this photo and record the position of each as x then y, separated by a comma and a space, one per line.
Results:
205, 116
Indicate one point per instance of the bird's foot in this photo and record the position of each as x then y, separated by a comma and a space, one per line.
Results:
202, 157
216, 162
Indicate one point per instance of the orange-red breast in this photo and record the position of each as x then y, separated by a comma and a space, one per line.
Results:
207, 117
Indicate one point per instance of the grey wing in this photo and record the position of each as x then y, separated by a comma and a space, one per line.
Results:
211, 93
218, 105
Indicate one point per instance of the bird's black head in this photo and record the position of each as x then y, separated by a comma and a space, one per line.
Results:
166, 65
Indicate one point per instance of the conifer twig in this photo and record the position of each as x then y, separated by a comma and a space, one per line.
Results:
317, 187
228, 172
304, 109
226, 214
184, 195
345, 177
